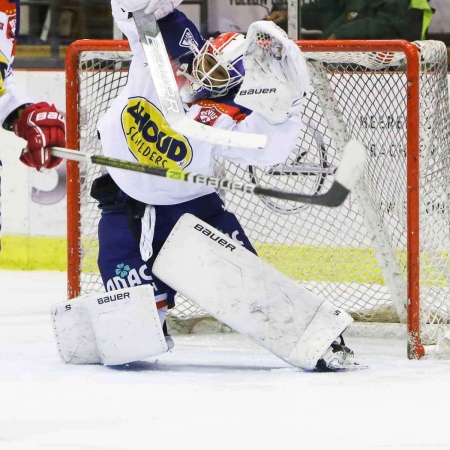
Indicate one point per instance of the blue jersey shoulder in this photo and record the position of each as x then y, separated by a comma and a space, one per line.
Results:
179, 33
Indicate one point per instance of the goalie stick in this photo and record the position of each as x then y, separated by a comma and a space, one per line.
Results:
293, 22
169, 96
347, 174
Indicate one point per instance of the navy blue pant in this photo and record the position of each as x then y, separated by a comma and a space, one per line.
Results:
119, 257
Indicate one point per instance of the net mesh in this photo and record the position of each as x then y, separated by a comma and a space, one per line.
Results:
354, 255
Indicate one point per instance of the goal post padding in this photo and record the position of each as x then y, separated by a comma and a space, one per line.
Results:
382, 256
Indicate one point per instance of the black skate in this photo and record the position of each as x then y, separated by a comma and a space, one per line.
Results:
338, 358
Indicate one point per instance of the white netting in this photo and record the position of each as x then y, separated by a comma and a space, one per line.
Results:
336, 253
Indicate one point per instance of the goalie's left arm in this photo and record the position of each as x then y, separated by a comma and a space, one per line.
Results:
281, 139
276, 81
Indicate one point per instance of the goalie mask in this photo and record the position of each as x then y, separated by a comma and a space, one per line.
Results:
217, 67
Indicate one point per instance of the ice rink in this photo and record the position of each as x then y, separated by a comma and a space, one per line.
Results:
211, 392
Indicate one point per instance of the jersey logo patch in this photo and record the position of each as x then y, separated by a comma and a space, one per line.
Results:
188, 40
220, 108
208, 115
150, 138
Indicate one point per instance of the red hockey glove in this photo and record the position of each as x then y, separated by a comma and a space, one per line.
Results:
42, 126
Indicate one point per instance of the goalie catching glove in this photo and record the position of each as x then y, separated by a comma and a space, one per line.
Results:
276, 76
43, 127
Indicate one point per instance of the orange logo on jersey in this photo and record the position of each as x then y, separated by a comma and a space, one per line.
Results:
211, 108
150, 138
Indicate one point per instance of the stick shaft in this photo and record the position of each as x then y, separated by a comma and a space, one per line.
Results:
294, 19
334, 197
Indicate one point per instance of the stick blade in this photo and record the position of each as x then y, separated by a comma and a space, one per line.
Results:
351, 167
348, 173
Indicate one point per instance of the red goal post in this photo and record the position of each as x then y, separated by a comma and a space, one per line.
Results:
391, 71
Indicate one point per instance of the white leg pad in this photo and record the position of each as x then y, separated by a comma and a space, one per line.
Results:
74, 334
241, 290
113, 328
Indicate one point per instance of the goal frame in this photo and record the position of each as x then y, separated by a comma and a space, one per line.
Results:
411, 51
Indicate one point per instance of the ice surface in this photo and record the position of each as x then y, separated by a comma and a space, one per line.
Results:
212, 392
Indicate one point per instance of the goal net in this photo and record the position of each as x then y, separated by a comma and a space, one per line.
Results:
383, 255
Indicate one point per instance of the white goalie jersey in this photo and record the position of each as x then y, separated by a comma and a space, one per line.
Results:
135, 129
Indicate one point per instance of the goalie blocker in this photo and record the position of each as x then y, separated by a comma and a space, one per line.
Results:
241, 290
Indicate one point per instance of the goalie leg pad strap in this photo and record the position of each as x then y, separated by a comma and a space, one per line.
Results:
241, 290
113, 328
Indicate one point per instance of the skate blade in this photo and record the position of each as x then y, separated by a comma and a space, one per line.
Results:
342, 368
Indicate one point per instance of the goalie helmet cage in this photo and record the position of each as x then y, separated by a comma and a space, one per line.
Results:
364, 256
